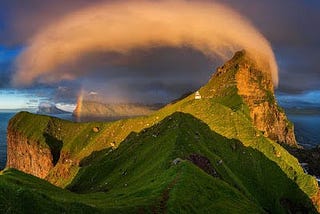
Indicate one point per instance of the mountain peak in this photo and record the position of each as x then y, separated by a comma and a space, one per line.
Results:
242, 85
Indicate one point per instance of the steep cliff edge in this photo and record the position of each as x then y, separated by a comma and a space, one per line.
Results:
27, 156
31, 150
241, 76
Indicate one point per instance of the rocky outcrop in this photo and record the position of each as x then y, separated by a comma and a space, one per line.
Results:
316, 200
256, 89
63, 170
26, 155
32, 144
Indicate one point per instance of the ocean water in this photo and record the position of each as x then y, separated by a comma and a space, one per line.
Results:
4, 119
306, 128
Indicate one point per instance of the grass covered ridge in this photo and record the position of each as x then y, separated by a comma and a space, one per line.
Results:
141, 175
127, 165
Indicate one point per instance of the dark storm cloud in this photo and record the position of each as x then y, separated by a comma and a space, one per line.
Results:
158, 75
290, 25
65, 93
289, 22
4, 76
300, 69
7, 57
20, 19
168, 64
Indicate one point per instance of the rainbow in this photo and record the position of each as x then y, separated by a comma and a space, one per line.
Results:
78, 110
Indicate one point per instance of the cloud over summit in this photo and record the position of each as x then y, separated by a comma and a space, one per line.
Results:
121, 27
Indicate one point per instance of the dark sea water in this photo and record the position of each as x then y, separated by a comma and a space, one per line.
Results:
4, 119
307, 130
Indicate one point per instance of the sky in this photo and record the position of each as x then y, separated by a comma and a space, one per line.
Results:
41, 59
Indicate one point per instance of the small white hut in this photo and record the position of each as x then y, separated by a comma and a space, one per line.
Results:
197, 96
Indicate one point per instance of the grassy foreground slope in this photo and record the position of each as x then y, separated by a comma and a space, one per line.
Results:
177, 166
23, 193
79, 139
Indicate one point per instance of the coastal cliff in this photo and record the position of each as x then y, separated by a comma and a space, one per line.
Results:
31, 147
27, 156
267, 116
243, 79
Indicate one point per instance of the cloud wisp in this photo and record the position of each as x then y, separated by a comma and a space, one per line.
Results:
120, 27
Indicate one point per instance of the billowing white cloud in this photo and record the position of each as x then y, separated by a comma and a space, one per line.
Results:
212, 28
66, 107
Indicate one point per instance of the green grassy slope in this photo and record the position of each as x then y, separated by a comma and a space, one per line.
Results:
179, 136
254, 170
23, 193
140, 176
79, 139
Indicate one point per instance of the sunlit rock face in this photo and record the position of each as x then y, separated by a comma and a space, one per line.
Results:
256, 89
27, 156
266, 114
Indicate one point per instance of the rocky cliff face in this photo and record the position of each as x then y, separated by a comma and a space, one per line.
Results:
267, 116
26, 155
32, 144
255, 87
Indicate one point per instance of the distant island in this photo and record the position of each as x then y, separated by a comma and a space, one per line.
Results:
49, 108
88, 110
